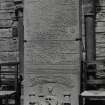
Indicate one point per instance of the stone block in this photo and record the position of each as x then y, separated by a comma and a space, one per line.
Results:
5, 23
100, 27
53, 59
5, 15
51, 21
100, 37
8, 45
100, 16
51, 54
6, 32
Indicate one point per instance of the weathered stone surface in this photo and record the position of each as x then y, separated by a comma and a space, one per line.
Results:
5, 15
8, 68
100, 44
40, 69
6, 32
8, 57
52, 46
100, 37
41, 83
51, 27
53, 36
100, 3
53, 59
100, 16
100, 27
8, 45
52, 22
6, 5
58, 69
100, 9
5, 23
100, 51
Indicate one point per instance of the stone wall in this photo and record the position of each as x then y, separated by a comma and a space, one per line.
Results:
51, 53
9, 40
100, 38
9, 44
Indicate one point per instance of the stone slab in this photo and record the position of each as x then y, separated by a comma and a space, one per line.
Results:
51, 53
5, 23
52, 46
53, 59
